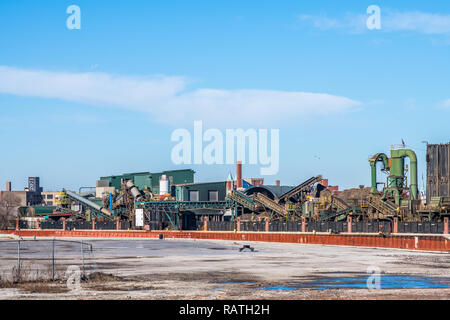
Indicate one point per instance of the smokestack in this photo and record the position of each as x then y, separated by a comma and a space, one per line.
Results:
277, 183
8, 186
239, 175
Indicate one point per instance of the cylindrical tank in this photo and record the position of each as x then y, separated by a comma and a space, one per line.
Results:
133, 189
164, 185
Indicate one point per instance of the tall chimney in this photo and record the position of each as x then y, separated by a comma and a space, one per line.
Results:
239, 175
277, 183
8, 186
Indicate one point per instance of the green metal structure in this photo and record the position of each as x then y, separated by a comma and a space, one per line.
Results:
144, 180
396, 181
182, 191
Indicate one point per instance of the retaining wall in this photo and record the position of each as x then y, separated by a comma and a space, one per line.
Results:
397, 241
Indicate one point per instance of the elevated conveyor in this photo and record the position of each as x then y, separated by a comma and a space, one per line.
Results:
340, 204
242, 200
340, 214
99, 210
270, 204
252, 202
300, 188
385, 207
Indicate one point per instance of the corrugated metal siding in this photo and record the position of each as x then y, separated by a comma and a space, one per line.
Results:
142, 181
438, 171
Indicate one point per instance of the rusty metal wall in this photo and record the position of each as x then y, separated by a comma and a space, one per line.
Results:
438, 171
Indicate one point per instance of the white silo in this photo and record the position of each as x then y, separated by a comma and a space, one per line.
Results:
164, 185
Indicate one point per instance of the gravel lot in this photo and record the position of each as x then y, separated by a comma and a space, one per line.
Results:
197, 269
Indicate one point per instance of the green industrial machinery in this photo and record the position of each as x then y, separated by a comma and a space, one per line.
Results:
397, 179
399, 197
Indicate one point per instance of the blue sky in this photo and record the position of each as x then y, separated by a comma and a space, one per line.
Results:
79, 104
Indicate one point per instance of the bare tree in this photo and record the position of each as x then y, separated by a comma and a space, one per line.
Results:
8, 210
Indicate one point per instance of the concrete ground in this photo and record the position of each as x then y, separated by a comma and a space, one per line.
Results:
200, 269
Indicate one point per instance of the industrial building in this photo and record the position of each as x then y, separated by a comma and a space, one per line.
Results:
172, 200
206, 191
49, 198
151, 181
31, 196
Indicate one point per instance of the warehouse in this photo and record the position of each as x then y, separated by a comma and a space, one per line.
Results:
207, 191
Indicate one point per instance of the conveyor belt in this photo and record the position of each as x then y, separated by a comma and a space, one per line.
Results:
268, 203
300, 188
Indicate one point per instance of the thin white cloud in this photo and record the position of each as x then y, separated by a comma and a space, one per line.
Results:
90, 88
321, 21
422, 22
445, 104
353, 23
168, 99
391, 21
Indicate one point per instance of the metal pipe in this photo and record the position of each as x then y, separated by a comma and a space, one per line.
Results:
18, 260
379, 157
53, 259
134, 190
398, 156
82, 257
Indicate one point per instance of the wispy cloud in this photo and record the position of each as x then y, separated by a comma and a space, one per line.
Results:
351, 22
168, 99
391, 21
90, 88
422, 22
445, 104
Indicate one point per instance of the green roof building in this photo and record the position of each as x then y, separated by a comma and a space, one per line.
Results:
150, 180
205, 191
